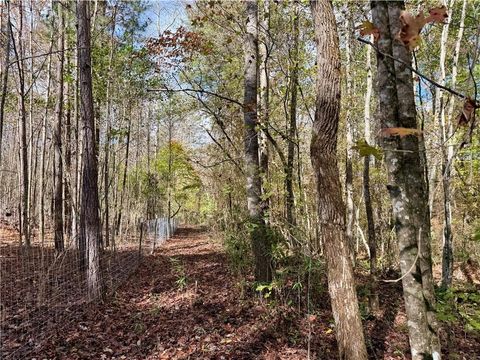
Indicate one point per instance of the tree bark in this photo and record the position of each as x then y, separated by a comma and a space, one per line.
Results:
58, 163
292, 129
407, 186
372, 239
22, 124
331, 208
5, 74
263, 272
447, 163
90, 206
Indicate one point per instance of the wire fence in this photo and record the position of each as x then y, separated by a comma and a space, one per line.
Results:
41, 288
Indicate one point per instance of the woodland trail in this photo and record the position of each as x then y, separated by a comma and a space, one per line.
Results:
183, 303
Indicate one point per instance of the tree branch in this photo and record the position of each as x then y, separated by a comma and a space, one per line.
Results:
451, 91
198, 91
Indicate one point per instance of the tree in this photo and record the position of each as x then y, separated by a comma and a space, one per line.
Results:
331, 208
89, 204
406, 175
263, 272
58, 163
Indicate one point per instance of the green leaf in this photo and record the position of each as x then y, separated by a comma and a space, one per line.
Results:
364, 149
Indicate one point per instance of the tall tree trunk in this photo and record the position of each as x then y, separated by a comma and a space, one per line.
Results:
350, 220
22, 124
292, 129
58, 163
107, 135
90, 206
447, 152
264, 95
372, 240
331, 209
260, 246
6, 67
407, 184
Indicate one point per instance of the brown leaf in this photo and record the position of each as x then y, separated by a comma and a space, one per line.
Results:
367, 28
438, 14
409, 35
465, 116
411, 26
400, 131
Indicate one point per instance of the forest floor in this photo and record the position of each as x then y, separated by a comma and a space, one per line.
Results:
184, 303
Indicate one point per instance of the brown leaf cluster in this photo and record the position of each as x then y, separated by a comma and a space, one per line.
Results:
409, 35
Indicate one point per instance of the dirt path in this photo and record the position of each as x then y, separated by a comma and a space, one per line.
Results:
182, 303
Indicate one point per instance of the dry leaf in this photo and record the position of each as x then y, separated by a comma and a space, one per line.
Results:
367, 28
438, 14
409, 35
399, 131
465, 116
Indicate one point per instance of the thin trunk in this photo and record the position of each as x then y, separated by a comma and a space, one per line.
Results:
5, 74
124, 181
44, 147
90, 206
264, 95
331, 209
263, 272
372, 241
57, 137
447, 152
24, 204
292, 129
350, 224
107, 135
407, 186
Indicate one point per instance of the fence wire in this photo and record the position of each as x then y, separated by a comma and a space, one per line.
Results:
40, 288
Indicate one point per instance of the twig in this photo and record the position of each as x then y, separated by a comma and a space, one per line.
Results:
414, 70
198, 91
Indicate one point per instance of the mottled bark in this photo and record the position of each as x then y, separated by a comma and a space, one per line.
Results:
406, 181
349, 125
331, 209
264, 111
260, 246
89, 204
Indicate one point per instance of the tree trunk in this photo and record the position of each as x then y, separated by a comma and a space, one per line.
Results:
90, 206
372, 240
406, 178
264, 110
6, 66
292, 129
263, 272
22, 124
331, 209
107, 135
447, 163
58, 163
350, 220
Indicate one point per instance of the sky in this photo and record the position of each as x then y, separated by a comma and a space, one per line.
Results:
163, 15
